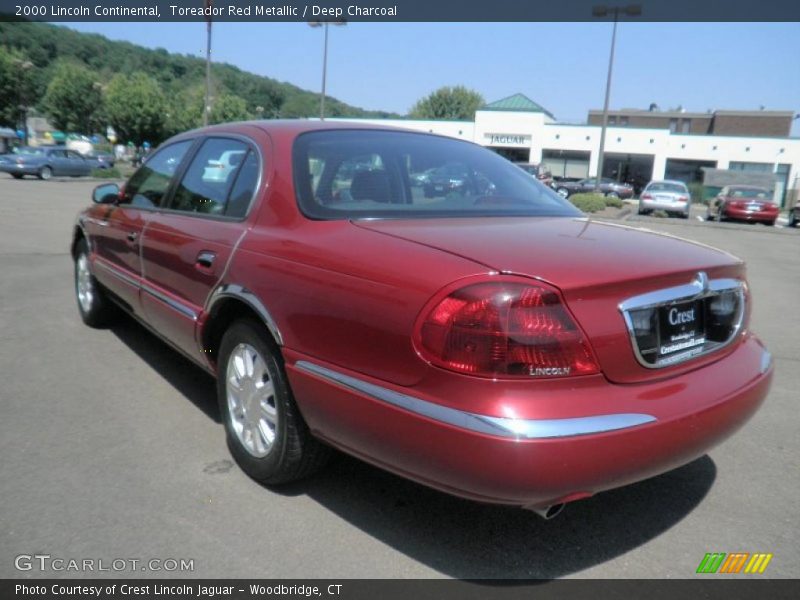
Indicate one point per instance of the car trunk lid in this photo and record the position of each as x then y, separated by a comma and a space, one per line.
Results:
596, 265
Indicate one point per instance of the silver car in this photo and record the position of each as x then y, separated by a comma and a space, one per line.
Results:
670, 196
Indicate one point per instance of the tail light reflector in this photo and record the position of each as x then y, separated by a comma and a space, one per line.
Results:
504, 329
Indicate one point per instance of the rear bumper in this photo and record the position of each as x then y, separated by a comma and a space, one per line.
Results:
634, 432
664, 205
19, 169
740, 214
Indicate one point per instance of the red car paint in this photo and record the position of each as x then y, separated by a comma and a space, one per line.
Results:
345, 297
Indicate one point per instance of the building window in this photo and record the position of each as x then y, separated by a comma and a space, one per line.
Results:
686, 125
673, 125
612, 120
623, 121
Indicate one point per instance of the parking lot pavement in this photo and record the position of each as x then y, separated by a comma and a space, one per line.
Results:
112, 449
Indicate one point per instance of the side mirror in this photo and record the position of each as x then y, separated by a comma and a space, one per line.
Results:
107, 193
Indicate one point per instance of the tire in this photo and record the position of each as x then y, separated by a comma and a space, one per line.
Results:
709, 216
563, 192
792, 218
612, 195
95, 308
45, 173
17, 175
265, 431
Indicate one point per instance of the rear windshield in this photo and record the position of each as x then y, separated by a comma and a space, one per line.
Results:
749, 193
352, 174
663, 186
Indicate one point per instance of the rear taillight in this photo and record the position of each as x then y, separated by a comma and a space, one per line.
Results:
504, 328
683, 198
647, 197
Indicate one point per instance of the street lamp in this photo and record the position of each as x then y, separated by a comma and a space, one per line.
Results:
324, 60
206, 105
22, 82
631, 10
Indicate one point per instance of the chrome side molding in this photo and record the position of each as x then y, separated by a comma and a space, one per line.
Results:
517, 429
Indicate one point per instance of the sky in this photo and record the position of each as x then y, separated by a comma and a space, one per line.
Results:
562, 66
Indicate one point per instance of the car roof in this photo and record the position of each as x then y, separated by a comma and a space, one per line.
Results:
293, 127
675, 181
746, 187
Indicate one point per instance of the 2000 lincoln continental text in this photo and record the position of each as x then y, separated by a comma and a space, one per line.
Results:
425, 305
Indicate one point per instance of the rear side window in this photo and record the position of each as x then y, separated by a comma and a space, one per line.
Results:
244, 187
212, 179
147, 186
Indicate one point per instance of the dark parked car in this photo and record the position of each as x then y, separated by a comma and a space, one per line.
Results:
100, 160
744, 203
45, 162
794, 215
537, 171
492, 344
608, 187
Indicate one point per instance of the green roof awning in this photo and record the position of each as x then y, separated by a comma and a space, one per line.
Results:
517, 103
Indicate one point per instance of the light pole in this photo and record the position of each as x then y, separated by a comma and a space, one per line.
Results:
22, 85
206, 105
324, 24
631, 10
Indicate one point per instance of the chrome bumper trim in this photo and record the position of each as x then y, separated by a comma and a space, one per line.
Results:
519, 429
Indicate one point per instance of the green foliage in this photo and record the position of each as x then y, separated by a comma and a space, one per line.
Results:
46, 46
698, 192
448, 103
19, 85
135, 107
301, 106
73, 98
612, 201
112, 173
226, 108
588, 203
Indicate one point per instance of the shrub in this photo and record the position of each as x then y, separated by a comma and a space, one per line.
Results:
112, 173
611, 201
588, 203
698, 192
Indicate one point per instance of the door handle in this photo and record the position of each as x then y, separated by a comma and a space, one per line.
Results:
205, 259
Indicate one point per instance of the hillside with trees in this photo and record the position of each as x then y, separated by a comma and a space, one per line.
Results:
83, 82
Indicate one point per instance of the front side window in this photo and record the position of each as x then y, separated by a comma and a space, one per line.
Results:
348, 174
211, 176
146, 187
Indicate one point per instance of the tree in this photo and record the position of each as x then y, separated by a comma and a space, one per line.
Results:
17, 82
448, 103
226, 108
135, 107
73, 98
300, 105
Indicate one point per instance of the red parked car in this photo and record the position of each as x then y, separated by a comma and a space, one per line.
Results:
491, 341
744, 203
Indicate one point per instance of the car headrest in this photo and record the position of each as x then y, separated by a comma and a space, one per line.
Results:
371, 185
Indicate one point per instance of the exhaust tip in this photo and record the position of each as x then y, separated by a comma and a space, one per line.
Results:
549, 512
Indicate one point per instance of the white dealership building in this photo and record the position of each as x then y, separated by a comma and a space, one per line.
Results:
640, 144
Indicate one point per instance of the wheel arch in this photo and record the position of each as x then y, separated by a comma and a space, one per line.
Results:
228, 304
78, 234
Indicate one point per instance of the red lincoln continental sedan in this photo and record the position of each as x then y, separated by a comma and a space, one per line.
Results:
489, 340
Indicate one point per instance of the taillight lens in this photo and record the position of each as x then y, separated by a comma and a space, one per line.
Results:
647, 197
504, 329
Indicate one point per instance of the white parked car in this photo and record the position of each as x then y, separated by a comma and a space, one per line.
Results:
670, 196
218, 170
